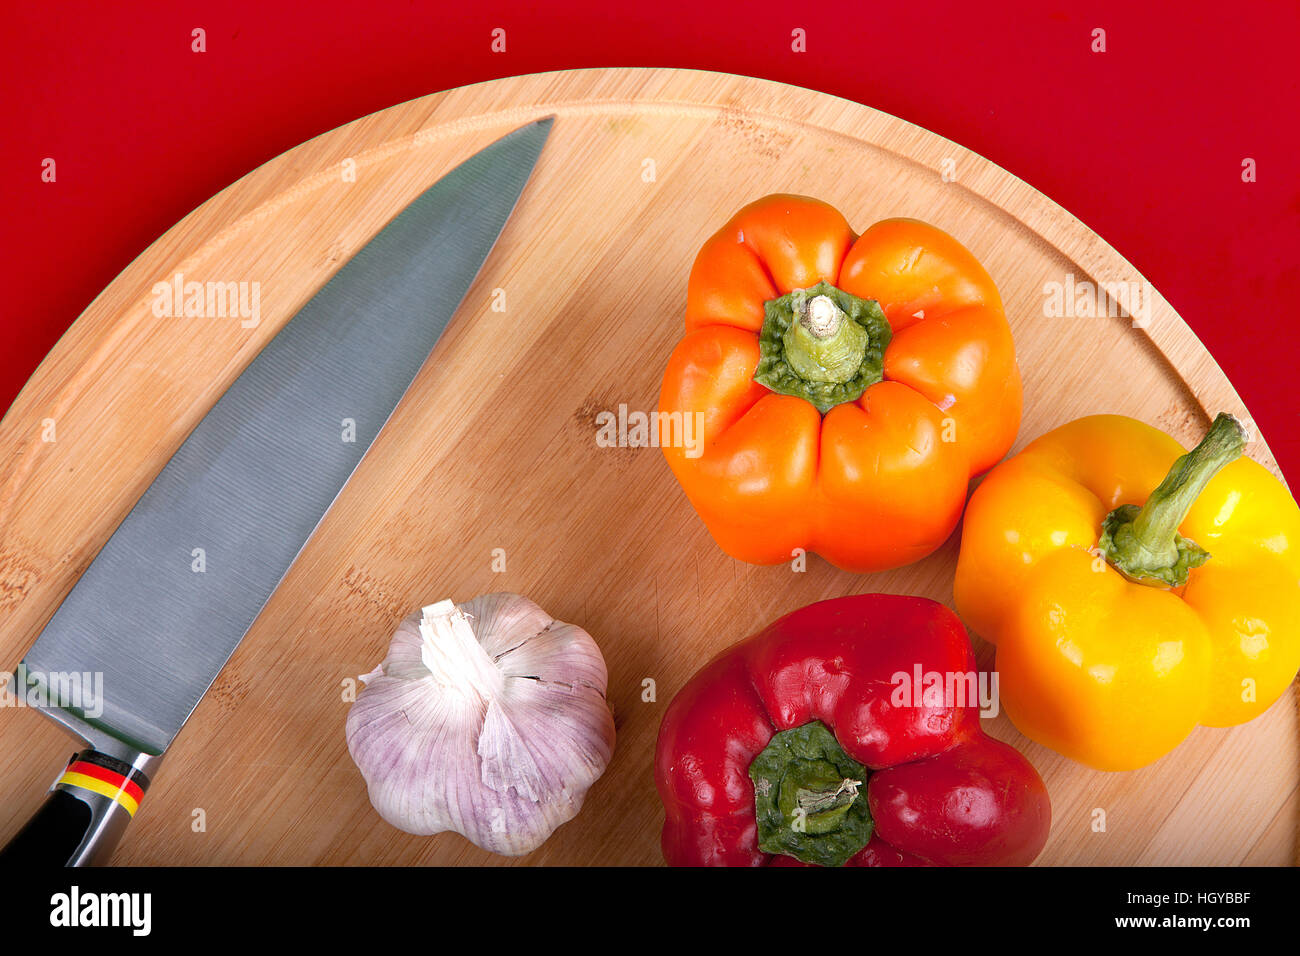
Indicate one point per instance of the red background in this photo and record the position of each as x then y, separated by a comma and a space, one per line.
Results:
1144, 142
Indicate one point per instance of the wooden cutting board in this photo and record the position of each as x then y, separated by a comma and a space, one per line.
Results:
495, 448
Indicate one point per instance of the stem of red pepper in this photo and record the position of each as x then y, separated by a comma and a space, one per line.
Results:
1143, 543
807, 799
818, 804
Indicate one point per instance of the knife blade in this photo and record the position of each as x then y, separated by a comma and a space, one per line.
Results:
149, 625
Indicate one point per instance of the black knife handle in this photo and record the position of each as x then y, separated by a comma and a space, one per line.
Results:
85, 814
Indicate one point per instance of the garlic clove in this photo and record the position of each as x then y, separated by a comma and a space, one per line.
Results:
503, 620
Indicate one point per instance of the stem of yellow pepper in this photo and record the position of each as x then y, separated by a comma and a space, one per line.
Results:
1143, 543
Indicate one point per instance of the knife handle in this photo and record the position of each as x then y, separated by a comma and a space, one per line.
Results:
85, 814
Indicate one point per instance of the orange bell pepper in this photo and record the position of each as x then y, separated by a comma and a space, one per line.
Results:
847, 388
1133, 591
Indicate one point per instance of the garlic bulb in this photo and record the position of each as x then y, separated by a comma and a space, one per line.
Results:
488, 718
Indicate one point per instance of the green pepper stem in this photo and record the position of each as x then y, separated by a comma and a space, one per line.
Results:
822, 344
820, 801
1144, 543
806, 797
822, 317
1156, 524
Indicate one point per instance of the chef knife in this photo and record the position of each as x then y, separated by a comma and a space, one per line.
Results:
143, 633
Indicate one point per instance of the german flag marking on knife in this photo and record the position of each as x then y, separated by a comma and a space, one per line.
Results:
126, 788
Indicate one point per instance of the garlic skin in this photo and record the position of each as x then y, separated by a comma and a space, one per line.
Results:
487, 718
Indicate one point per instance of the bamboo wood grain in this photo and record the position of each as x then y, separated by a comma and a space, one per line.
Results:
495, 448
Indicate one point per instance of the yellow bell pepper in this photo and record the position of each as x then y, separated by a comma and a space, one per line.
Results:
1133, 591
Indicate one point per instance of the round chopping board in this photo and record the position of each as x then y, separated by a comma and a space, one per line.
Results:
489, 476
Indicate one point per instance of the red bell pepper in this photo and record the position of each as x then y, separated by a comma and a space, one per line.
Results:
804, 743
